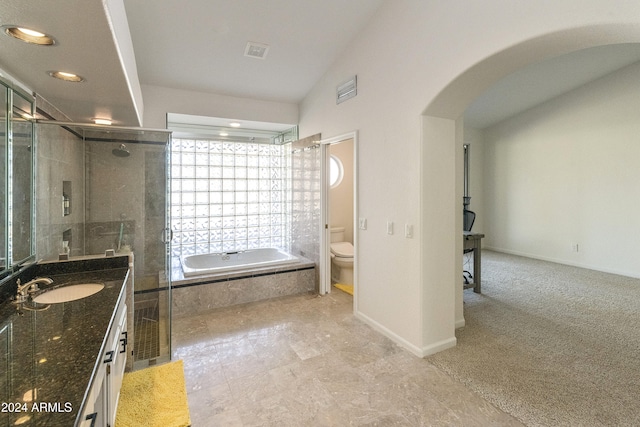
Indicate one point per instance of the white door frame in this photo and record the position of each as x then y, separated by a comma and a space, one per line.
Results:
325, 232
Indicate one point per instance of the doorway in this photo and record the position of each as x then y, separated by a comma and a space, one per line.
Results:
339, 210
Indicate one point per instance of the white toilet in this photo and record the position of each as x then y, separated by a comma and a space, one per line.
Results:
341, 258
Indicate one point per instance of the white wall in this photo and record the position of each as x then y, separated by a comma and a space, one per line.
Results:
160, 100
341, 196
418, 58
566, 173
433, 58
387, 295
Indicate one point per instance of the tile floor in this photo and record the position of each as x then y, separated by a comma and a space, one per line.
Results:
307, 361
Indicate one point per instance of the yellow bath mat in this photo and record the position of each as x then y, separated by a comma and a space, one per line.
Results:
154, 397
345, 288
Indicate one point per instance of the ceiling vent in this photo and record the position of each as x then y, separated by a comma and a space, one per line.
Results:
347, 90
256, 50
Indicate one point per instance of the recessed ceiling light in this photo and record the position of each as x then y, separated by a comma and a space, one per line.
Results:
102, 121
69, 77
234, 124
223, 133
28, 35
32, 33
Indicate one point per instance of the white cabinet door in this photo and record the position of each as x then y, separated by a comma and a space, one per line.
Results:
116, 372
102, 399
95, 410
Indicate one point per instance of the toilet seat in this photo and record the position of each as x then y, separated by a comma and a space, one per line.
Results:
342, 249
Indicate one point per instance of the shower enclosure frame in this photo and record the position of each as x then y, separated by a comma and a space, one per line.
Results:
150, 156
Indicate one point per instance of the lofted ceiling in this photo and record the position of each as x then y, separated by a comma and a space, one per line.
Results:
201, 48
545, 80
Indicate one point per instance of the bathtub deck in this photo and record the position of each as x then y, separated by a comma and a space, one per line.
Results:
207, 292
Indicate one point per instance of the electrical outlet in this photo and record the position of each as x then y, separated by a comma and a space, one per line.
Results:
575, 247
362, 223
389, 227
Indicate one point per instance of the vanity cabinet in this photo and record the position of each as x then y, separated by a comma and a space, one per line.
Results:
94, 409
63, 362
115, 368
103, 395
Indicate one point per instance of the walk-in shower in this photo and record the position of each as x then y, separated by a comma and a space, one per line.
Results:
117, 205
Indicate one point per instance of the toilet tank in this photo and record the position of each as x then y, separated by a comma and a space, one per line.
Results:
337, 234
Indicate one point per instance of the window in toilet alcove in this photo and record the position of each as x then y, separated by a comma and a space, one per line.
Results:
336, 171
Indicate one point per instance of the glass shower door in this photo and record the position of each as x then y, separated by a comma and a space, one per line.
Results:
105, 188
126, 210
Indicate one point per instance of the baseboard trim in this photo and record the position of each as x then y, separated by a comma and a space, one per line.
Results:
417, 351
439, 346
460, 323
389, 334
563, 262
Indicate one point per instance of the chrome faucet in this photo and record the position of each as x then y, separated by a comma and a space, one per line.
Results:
31, 286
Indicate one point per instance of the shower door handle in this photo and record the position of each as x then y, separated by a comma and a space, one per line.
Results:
167, 235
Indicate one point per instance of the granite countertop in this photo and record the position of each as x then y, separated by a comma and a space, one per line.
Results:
48, 355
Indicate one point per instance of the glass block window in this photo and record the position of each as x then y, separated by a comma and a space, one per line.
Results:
228, 196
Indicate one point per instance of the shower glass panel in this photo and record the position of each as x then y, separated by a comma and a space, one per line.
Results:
117, 202
126, 190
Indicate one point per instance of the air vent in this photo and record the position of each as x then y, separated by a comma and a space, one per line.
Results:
256, 50
347, 90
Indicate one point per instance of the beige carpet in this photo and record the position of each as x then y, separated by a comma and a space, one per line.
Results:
154, 397
552, 345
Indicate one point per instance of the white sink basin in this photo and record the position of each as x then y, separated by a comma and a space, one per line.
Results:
68, 293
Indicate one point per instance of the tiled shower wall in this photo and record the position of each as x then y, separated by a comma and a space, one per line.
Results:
126, 202
60, 158
116, 202
306, 199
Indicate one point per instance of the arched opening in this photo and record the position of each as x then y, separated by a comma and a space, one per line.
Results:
442, 141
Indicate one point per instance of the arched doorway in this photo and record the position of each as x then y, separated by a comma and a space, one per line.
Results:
442, 133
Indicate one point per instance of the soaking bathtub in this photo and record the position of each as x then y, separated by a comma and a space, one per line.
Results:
196, 265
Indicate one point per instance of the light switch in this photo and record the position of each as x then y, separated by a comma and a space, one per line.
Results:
408, 231
389, 227
362, 223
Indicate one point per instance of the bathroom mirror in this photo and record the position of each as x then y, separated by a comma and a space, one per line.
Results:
16, 177
3, 178
21, 178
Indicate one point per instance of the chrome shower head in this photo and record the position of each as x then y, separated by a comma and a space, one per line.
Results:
121, 151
